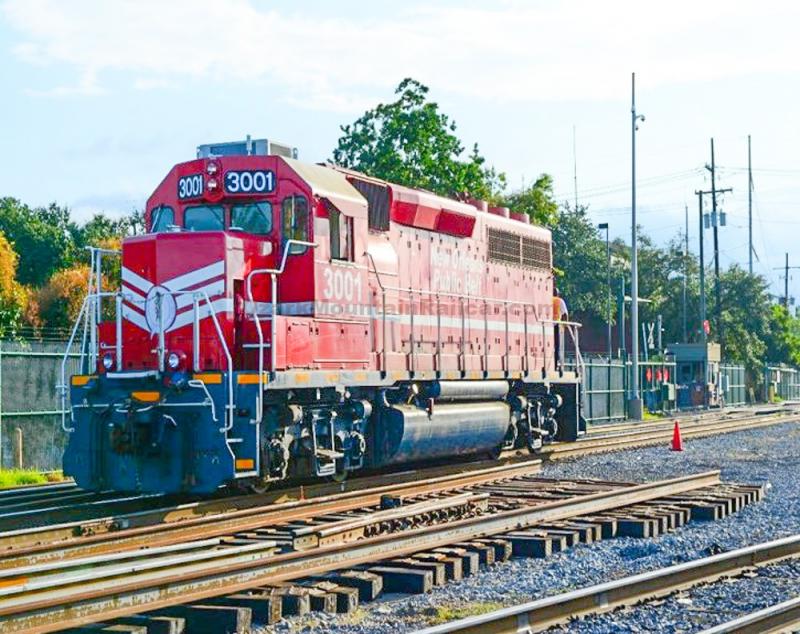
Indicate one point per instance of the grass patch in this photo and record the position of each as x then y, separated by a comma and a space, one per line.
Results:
447, 613
648, 415
18, 477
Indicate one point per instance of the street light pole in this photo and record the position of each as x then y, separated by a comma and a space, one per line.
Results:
601, 226
635, 402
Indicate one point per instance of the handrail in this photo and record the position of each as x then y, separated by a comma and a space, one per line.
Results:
273, 273
62, 387
383, 311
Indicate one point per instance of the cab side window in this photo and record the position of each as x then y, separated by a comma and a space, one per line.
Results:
341, 233
161, 218
294, 222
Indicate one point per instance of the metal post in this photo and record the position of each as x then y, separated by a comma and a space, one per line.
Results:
635, 409
622, 345
118, 343
717, 290
685, 275
18, 452
749, 206
196, 337
604, 225
702, 272
786, 284
161, 342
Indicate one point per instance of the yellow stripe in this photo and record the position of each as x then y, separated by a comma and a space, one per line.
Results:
250, 379
209, 377
360, 376
82, 379
332, 377
244, 464
146, 397
302, 377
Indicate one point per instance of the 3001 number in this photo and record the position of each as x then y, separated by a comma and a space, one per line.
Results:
245, 182
341, 285
190, 186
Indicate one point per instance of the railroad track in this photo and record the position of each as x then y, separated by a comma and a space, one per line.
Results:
20, 526
542, 614
410, 536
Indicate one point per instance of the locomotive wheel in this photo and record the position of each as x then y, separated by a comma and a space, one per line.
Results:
340, 476
259, 486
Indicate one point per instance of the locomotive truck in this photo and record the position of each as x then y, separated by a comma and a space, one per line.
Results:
281, 319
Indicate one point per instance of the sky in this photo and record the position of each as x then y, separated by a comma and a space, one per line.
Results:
100, 98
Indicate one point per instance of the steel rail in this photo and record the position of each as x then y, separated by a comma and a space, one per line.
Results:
87, 602
539, 615
613, 442
44, 488
95, 528
37, 549
781, 617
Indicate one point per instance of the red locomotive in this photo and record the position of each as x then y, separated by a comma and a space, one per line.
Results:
283, 319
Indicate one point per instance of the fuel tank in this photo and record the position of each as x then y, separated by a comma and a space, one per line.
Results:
406, 433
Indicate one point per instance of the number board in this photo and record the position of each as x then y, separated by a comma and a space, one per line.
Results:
250, 182
190, 186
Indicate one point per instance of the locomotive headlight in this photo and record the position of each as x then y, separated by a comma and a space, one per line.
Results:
212, 184
212, 168
174, 360
108, 361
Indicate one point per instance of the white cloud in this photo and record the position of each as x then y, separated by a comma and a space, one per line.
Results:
509, 51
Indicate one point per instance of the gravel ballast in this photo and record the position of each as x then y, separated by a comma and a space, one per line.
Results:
768, 455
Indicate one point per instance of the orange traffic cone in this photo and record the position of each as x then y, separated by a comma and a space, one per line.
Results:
677, 441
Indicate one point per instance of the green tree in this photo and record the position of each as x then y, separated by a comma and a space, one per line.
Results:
579, 257
536, 201
410, 142
14, 298
746, 315
43, 237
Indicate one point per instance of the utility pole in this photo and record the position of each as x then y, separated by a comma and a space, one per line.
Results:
716, 243
786, 268
702, 270
715, 221
635, 402
685, 272
749, 205
575, 167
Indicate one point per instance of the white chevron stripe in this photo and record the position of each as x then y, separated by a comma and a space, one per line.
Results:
134, 317
197, 276
137, 280
221, 305
132, 296
212, 290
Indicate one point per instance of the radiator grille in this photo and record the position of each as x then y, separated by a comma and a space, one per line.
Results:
510, 248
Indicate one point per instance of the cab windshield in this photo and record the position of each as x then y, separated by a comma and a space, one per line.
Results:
252, 217
204, 218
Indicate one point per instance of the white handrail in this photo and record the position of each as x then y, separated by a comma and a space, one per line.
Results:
62, 388
273, 273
